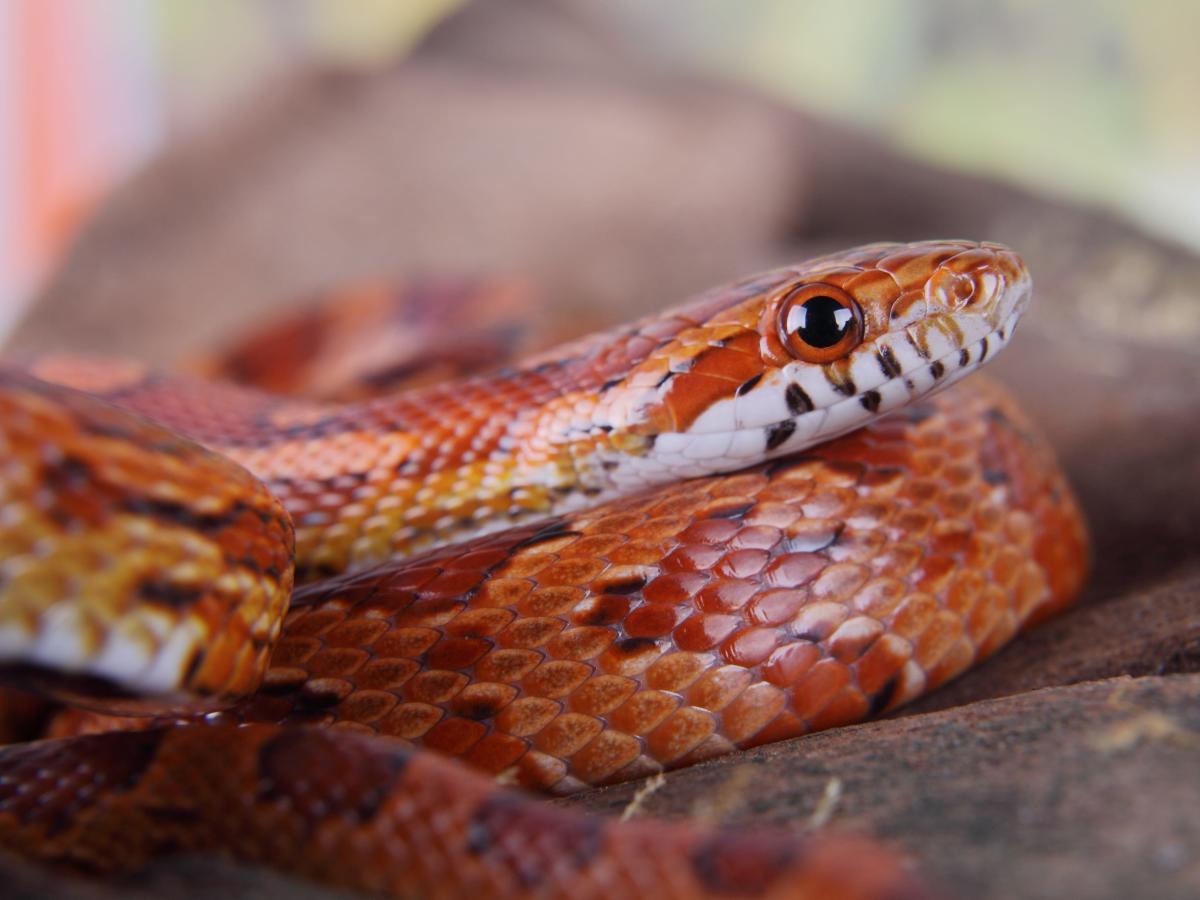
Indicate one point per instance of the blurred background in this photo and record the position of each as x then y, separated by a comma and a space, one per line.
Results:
1086, 99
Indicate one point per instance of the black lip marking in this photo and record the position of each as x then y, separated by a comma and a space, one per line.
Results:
964, 357
888, 362
871, 400
921, 351
609, 385
667, 377
779, 433
748, 385
983, 349
847, 388
798, 402
936, 369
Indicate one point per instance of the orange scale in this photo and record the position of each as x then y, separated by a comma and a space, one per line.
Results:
791, 570
358, 632
337, 662
480, 622
750, 646
727, 508
496, 753
717, 688
703, 632
457, 653
785, 726
501, 591
432, 612
681, 733
709, 531
594, 546
1031, 589
934, 574
745, 486
816, 689
935, 641
455, 736
812, 535
775, 607
755, 537
386, 674
602, 694
480, 560
527, 715
897, 559
725, 595
294, 651
556, 678
788, 663
751, 711
674, 588
1007, 566
676, 671
620, 523
742, 563
507, 665
849, 706
882, 662
410, 720
629, 656
605, 609
483, 700
772, 515
434, 686
644, 711
692, 558
954, 661
525, 565
412, 578
315, 622
839, 582
964, 592
367, 705
567, 734
583, 642
640, 553
527, 634
651, 620
550, 601
853, 637
571, 572
405, 642
606, 754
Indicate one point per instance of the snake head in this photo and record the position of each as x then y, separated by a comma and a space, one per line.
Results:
796, 356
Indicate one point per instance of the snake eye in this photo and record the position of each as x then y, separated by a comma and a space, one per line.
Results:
819, 323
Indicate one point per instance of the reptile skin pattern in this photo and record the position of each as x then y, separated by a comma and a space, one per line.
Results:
623, 607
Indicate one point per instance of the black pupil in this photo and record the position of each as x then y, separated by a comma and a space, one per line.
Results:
820, 321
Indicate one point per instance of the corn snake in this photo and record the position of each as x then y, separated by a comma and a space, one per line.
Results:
607, 620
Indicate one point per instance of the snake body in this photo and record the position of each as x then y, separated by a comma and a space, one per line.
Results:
607, 619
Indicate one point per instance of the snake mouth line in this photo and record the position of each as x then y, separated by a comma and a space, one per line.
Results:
722, 451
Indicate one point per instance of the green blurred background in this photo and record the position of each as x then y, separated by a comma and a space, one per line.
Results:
1090, 99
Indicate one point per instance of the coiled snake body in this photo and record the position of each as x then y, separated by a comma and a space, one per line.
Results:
542, 572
